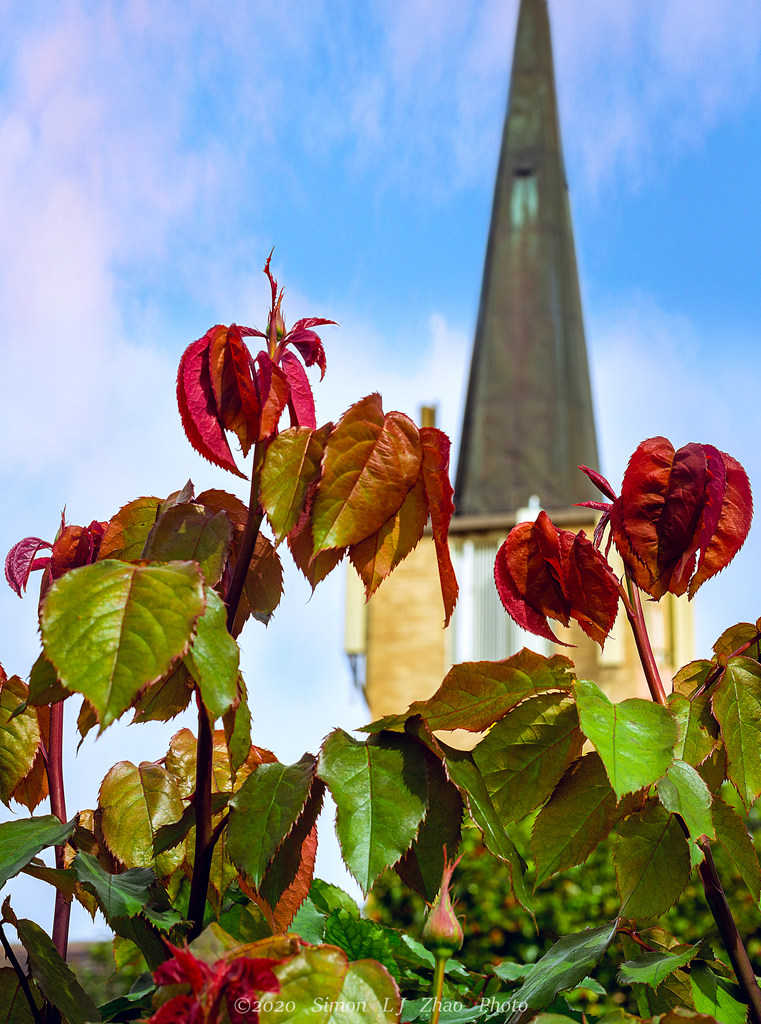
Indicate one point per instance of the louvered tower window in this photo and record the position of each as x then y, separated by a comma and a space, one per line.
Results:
481, 629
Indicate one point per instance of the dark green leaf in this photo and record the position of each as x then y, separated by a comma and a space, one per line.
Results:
186, 533
475, 694
361, 938
44, 686
213, 658
14, 1008
652, 861
22, 840
735, 838
579, 814
112, 628
635, 738
737, 706
466, 776
523, 757
309, 923
125, 894
422, 865
564, 966
237, 725
263, 812
652, 968
327, 897
380, 788
711, 996
165, 699
54, 977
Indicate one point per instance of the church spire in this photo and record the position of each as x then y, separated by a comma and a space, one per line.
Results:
528, 417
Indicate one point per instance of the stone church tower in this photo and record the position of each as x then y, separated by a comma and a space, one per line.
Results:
528, 425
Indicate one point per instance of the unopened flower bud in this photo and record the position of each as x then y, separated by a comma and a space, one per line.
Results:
442, 933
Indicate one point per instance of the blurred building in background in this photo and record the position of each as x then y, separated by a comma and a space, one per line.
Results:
528, 425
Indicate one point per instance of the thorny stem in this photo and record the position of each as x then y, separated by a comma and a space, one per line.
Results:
714, 893
13, 961
206, 838
438, 988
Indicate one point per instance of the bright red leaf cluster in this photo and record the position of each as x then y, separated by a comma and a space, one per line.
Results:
239, 982
544, 573
74, 546
681, 516
221, 386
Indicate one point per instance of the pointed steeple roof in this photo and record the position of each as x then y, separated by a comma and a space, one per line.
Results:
528, 417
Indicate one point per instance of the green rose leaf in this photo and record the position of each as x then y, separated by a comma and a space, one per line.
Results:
213, 657
380, 789
321, 983
21, 841
362, 939
564, 966
188, 533
112, 628
53, 975
128, 530
263, 812
652, 968
652, 861
122, 895
422, 865
737, 706
523, 757
291, 464
635, 738
13, 1000
466, 776
475, 694
579, 814
735, 838
698, 728
44, 687
711, 996
682, 791
19, 736
135, 801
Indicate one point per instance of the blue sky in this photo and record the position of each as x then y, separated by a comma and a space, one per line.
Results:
153, 154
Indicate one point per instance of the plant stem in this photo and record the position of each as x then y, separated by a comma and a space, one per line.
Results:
730, 936
714, 892
206, 837
642, 640
54, 767
438, 988
12, 959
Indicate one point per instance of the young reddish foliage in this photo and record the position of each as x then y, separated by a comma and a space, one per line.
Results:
681, 516
220, 386
74, 546
237, 982
543, 573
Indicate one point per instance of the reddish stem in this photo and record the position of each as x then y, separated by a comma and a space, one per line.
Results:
54, 766
636, 618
